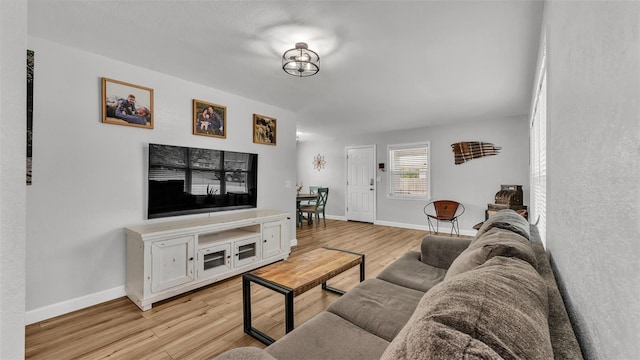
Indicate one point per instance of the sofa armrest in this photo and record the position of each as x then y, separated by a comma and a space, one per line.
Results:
245, 353
440, 251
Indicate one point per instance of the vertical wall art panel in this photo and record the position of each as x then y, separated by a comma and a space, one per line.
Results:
30, 64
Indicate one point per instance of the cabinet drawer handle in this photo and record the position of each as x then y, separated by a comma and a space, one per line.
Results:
191, 258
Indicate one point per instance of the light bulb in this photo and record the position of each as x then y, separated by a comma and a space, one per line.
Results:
303, 57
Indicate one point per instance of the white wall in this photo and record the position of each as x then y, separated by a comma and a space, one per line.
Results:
89, 178
332, 175
593, 157
474, 183
13, 41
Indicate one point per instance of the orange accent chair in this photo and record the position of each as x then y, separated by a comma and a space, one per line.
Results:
444, 210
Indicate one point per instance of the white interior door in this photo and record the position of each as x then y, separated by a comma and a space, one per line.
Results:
361, 184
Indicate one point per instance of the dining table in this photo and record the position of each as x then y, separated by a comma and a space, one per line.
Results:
299, 199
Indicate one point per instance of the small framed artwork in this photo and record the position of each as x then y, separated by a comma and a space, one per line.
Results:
264, 130
209, 119
126, 104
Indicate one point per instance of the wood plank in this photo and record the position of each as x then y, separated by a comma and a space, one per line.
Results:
305, 271
130, 347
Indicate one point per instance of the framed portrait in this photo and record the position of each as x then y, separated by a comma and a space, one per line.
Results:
209, 119
264, 130
127, 104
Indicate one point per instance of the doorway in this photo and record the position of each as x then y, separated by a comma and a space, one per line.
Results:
361, 183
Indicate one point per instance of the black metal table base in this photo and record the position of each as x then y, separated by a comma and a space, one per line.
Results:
248, 278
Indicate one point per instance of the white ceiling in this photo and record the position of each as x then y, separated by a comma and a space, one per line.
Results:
383, 64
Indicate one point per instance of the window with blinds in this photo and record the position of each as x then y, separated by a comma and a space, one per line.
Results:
198, 170
201, 171
409, 171
538, 151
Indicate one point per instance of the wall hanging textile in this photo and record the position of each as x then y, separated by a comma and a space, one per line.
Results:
467, 150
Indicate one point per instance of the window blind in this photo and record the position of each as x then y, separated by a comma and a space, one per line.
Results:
538, 150
409, 170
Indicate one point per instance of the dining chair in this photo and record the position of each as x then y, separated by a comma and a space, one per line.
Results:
317, 208
313, 190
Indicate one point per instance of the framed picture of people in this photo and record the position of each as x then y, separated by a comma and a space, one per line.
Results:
209, 119
264, 130
126, 104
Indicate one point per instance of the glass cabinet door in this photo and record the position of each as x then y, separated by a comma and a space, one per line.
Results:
214, 260
246, 251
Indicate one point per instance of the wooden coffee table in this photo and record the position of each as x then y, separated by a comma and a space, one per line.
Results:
295, 276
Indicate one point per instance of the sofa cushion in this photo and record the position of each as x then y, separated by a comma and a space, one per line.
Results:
495, 242
328, 336
498, 309
506, 219
378, 307
440, 251
443, 343
410, 272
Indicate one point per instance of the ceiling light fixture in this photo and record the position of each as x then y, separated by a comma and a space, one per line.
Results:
301, 61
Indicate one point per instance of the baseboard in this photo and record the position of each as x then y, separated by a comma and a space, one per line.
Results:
423, 227
333, 217
407, 226
294, 242
65, 307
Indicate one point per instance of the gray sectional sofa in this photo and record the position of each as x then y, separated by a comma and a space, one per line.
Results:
492, 297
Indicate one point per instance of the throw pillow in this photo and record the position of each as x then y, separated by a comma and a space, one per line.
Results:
495, 242
506, 219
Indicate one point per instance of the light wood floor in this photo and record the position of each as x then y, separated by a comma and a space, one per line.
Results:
204, 323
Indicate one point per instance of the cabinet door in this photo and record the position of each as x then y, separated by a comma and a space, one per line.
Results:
171, 263
214, 260
274, 237
247, 251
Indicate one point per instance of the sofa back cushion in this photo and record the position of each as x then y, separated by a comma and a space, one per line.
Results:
495, 242
498, 310
506, 219
440, 251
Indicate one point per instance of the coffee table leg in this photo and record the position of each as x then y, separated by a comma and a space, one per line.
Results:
246, 306
288, 311
362, 268
342, 292
246, 311
246, 303
332, 289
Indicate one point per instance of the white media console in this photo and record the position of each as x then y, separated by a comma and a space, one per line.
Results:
170, 258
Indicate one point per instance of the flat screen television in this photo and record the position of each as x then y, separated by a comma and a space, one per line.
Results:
185, 180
